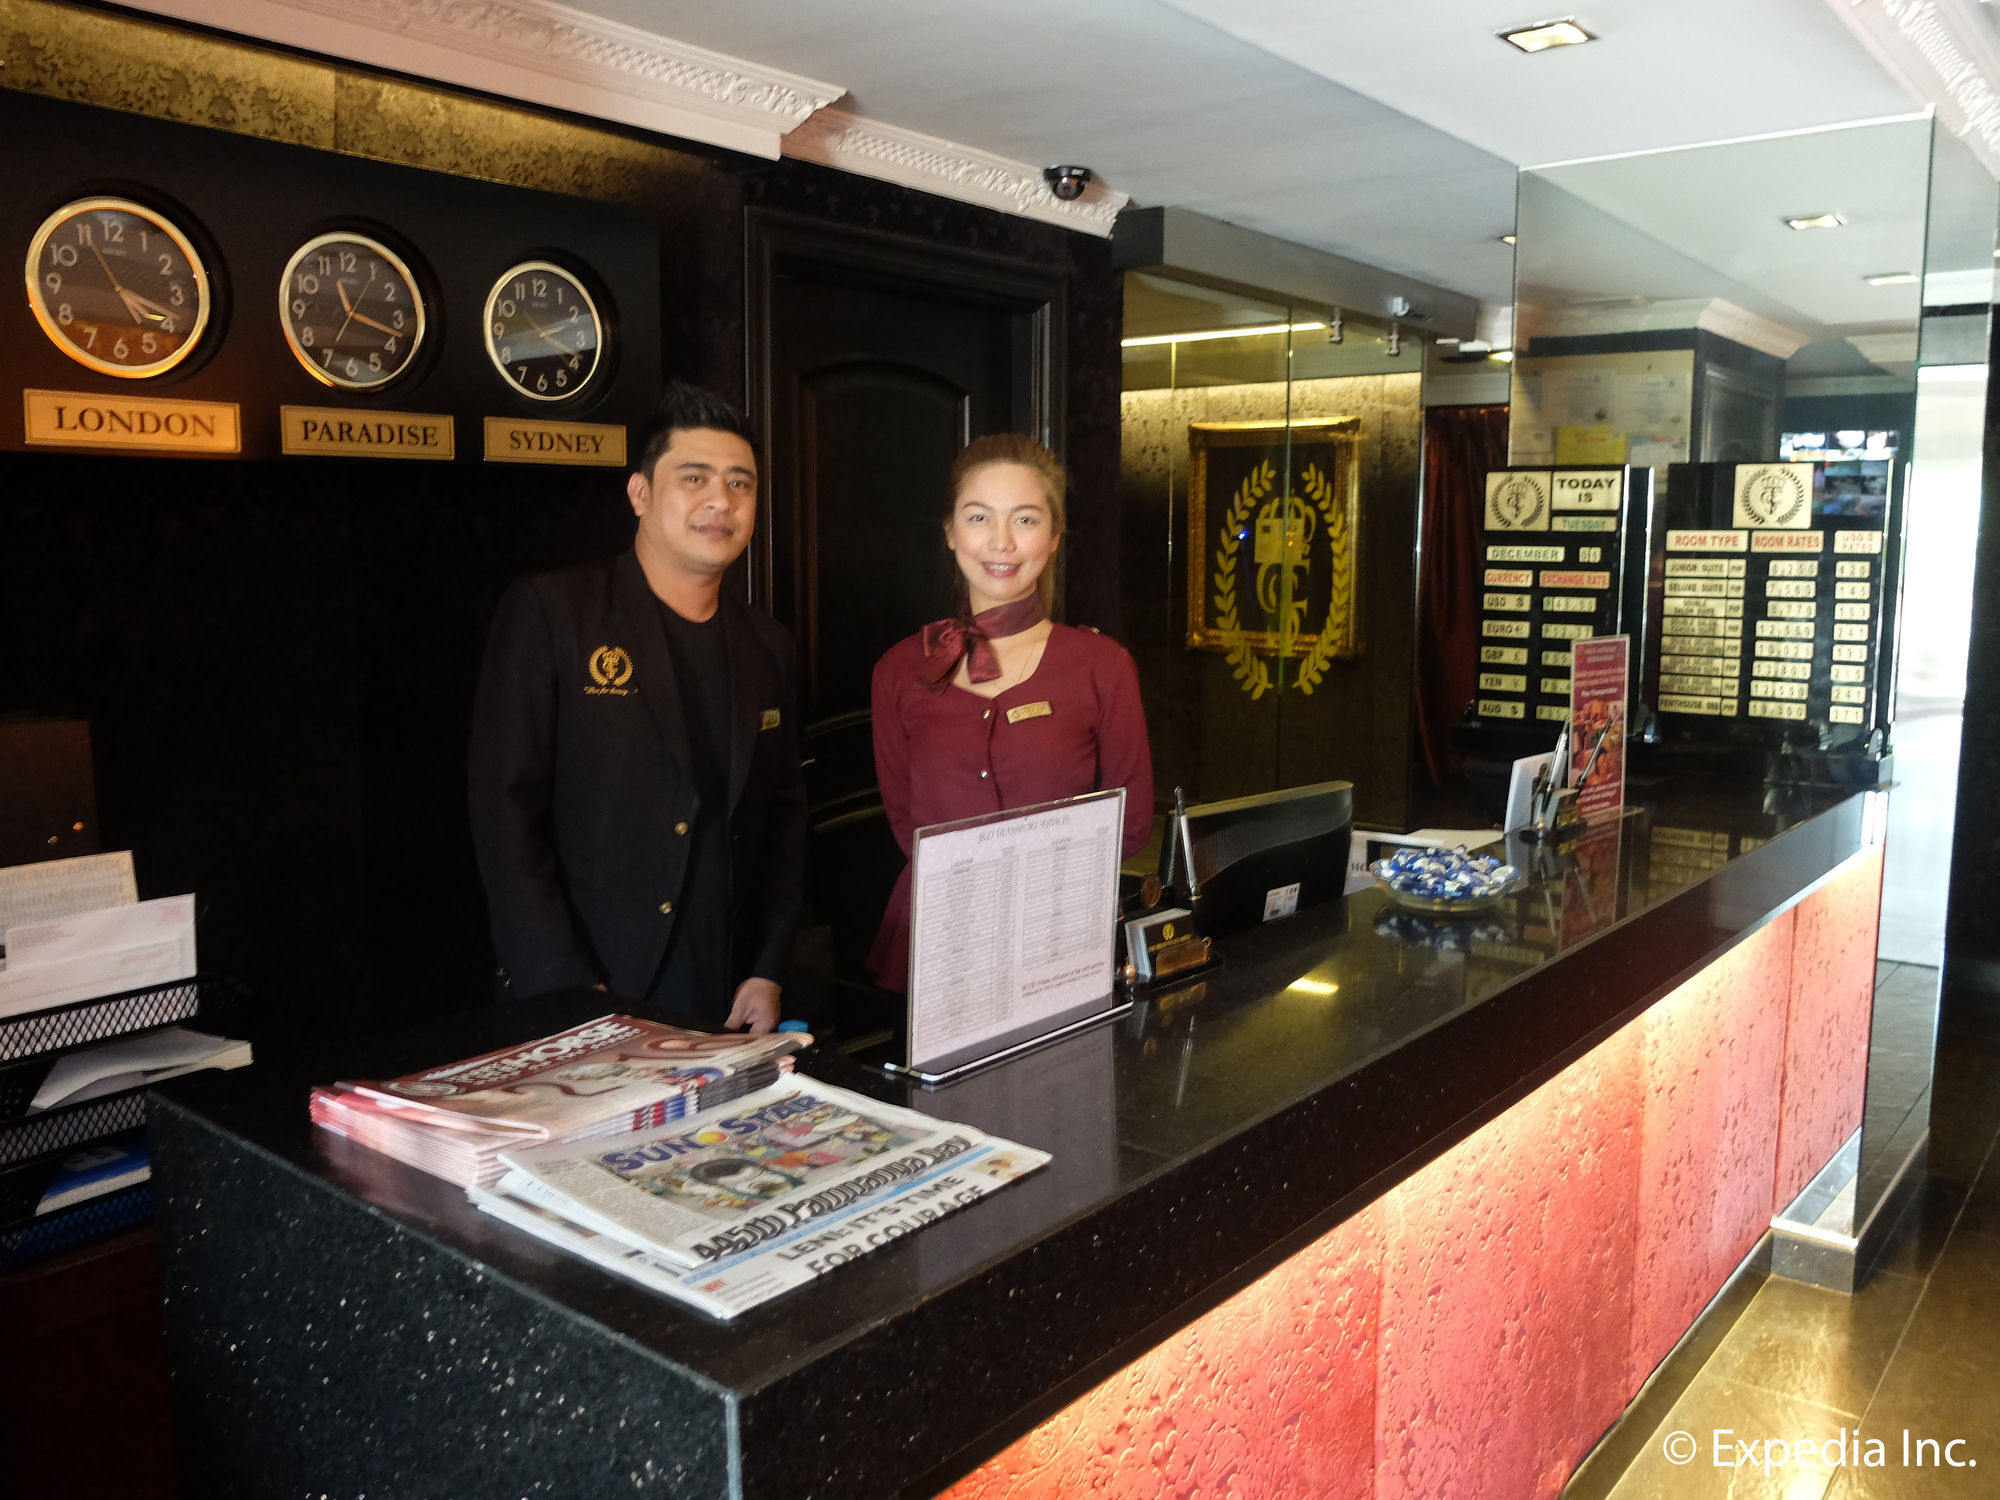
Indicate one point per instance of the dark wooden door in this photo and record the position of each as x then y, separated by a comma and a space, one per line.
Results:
879, 359
873, 361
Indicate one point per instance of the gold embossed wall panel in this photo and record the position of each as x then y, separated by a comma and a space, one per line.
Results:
1208, 734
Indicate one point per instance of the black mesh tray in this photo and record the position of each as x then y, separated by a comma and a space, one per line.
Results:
67, 1027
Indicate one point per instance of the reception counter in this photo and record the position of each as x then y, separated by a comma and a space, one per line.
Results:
1380, 1207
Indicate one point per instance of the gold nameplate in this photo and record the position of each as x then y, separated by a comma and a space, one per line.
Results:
769, 721
517, 440
1029, 711
77, 419
332, 431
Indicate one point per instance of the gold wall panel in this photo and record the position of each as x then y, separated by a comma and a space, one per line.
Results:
151, 68
148, 68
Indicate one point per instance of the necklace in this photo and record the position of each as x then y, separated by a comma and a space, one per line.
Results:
1007, 681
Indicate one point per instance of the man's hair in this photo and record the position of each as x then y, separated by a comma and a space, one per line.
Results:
682, 407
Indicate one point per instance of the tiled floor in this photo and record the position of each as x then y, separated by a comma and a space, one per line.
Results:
1916, 1351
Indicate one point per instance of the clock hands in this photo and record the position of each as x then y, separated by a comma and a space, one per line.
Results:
123, 295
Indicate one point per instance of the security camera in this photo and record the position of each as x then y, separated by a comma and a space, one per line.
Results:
1067, 183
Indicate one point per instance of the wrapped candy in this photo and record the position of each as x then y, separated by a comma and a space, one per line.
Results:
1445, 875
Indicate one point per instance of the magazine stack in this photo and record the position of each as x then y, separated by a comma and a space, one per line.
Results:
742, 1203
607, 1077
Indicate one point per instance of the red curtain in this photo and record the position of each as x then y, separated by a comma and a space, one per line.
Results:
1460, 444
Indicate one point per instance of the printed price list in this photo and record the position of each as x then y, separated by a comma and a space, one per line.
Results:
1549, 579
1773, 618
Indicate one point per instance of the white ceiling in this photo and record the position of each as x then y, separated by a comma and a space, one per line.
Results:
1383, 130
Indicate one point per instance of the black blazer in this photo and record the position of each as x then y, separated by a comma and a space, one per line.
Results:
582, 785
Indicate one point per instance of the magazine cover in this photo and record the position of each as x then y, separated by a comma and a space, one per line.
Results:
556, 1086
752, 1277
730, 1178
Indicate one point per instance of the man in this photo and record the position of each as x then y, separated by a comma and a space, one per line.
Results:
638, 809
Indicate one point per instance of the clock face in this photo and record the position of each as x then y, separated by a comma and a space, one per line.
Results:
118, 287
351, 311
543, 332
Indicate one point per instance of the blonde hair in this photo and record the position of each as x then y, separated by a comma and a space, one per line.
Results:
1010, 448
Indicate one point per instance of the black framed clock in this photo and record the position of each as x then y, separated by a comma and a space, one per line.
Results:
118, 286
544, 332
352, 309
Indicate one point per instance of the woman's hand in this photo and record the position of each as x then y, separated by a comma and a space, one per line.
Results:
756, 1007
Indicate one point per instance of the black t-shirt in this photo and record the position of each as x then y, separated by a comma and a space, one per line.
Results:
694, 975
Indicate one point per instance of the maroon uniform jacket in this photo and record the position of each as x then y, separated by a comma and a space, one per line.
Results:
1076, 725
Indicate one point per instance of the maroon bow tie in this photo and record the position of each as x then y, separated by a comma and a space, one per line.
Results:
947, 642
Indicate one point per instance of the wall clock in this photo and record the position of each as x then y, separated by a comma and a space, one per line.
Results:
544, 334
118, 286
352, 311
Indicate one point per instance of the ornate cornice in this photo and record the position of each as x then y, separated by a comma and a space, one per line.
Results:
835, 138
1945, 53
540, 52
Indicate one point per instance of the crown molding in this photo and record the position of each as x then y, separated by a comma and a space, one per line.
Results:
909, 158
1645, 315
539, 52
1945, 52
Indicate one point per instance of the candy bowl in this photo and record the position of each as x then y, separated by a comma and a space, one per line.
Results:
1448, 882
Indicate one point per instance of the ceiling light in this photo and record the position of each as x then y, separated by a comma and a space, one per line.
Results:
1546, 34
1818, 221
1205, 334
1505, 356
1508, 239
1893, 278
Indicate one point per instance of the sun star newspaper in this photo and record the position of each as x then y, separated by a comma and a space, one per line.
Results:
745, 1202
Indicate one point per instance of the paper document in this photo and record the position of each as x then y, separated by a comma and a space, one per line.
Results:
63, 887
94, 953
129, 1062
1012, 923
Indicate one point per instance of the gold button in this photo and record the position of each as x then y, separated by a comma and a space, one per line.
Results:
666, 907
983, 775
987, 715
681, 829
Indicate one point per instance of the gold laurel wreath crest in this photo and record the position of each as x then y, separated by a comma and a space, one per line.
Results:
1320, 490
1249, 669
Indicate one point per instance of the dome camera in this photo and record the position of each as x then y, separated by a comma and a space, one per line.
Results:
1067, 182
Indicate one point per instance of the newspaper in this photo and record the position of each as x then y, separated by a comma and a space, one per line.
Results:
781, 1264
732, 1178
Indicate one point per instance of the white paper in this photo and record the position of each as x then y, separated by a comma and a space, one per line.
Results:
1012, 921
63, 887
1653, 406
151, 1057
95, 953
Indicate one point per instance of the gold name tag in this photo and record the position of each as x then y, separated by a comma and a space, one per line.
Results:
75, 419
511, 440
770, 720
1029, 711
343, 433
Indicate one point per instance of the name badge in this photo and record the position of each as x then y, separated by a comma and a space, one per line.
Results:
769, 721
1029, 711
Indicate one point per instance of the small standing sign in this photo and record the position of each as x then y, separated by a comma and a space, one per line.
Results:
1599, 691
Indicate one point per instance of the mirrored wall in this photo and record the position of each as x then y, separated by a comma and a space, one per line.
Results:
1823, 296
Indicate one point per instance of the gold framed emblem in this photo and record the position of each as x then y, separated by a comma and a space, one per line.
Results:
1274, 545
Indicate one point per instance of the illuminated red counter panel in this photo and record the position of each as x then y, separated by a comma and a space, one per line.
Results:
1476, 1329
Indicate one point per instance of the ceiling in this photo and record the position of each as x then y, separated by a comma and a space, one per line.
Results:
1383, 130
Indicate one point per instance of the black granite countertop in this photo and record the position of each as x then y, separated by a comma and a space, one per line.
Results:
1197, 1141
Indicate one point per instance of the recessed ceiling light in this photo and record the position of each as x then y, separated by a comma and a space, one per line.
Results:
1546, 34
1818, 221
1505, 356
1893, 278
1508, 239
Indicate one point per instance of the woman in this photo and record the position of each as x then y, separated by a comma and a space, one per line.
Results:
1000, 706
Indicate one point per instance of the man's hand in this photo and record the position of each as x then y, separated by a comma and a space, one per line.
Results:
756, 1007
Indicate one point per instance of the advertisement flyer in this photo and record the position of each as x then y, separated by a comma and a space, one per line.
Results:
1599, 673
